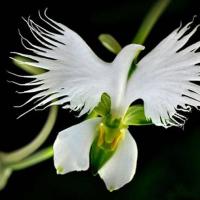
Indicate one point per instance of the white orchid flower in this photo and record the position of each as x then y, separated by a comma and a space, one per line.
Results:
76, 79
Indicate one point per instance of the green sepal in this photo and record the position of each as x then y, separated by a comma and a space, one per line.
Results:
110, 43
99, 155
135, 116
104, 106
92, 114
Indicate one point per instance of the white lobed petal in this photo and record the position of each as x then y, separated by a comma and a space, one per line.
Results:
72, 146
75, 77
121, 167
163, 79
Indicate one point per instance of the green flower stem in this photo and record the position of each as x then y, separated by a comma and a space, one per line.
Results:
149, 21
34, 159
36, 143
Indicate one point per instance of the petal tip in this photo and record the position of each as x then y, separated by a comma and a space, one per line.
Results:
111, 189
60, 170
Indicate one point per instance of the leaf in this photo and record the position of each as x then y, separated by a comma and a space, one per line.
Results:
104, 106
135, 116
110, 43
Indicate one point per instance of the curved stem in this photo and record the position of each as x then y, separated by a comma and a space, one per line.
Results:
25, 151
150, 20
34, 159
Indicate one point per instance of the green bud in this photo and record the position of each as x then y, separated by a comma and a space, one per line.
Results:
110, 43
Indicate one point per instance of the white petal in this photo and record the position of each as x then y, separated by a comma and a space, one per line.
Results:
121, 65
163, 79
72, 146
75, 74
75, 77
120, 169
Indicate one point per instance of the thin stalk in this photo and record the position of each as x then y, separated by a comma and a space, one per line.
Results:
150, 20
25, 151
148, 23
32, 160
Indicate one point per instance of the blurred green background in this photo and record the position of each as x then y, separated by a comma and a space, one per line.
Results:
169, 160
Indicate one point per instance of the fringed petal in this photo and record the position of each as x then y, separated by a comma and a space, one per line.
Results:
164, 79
75, 77
73, 72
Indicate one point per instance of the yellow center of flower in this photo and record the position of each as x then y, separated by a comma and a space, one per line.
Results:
110, 134
109, 138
